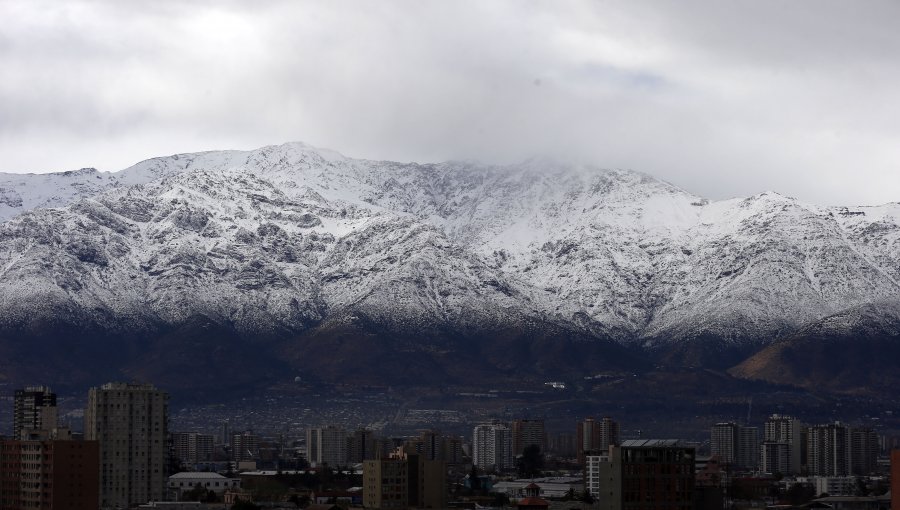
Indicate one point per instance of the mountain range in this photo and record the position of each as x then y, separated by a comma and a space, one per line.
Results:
247, 267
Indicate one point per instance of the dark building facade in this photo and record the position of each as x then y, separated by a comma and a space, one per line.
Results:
647, 474
895, 478
34, 408
191, 447
49, 474
736, 445
863, 451
595, 436
362, 445
130, 423
404, 481
527, 433
828, 450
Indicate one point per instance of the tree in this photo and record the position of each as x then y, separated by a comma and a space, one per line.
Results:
587, 497
199, 493
861, 489
300, 501
800, 493
474, 480
531, 462
244, 505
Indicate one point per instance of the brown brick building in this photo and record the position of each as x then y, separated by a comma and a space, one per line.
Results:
49, 474
404, 481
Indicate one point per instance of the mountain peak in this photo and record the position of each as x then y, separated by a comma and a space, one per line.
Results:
303, 147
80, 172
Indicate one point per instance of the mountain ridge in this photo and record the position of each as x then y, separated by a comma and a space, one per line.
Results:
280, 240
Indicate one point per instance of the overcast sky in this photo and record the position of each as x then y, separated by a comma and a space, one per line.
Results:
721, 98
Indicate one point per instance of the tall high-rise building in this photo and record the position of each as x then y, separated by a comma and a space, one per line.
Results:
492, 447
326, 445
593, 469
644, 474
244, 446
526, 433
226, 432
192, 447
428, 444
361, 446
895, 478
748, 448
452, 450
49, 473
432, 445
596, 436
735, 445
34, 408
863, 451
405, 480
722, 441
130, 423
386, 483
782, 445
384, 446
774, 457
427, 482
562, 444
828, 450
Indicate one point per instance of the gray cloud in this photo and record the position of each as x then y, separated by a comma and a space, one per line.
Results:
721, 98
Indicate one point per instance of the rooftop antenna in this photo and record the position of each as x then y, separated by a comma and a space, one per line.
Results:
749, 409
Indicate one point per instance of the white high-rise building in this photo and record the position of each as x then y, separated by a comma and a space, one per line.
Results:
593, 472
326, 445
492, 447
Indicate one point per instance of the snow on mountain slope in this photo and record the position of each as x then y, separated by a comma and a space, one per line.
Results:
23, 192
284, 236
232, 247
766, 266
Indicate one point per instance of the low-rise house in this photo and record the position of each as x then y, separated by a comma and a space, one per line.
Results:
180, 483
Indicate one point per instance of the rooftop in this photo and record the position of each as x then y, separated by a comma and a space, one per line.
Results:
128, 386
650, 443
197, 474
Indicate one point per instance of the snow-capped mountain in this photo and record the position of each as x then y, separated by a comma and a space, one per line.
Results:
283, 241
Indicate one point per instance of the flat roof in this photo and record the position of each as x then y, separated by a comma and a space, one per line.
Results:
649, 443
197, 474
